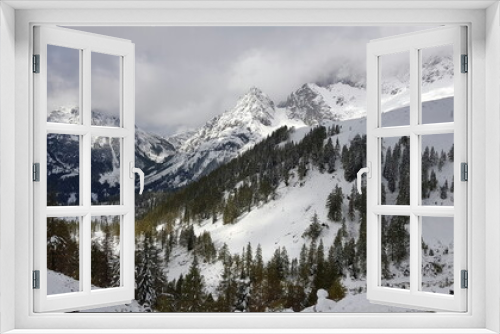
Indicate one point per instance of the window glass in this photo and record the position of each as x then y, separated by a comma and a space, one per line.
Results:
395, 252
106, 172
106, 90
395, 89
105, 252
63, 85
63, 170
438, 184
63, 255
437, 89
437, 255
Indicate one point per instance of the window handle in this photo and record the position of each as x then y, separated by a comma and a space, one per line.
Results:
139, 171
368, 171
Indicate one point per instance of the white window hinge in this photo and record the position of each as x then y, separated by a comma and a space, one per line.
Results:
36, 279
465, 64
36, 63
36, 172
464, 278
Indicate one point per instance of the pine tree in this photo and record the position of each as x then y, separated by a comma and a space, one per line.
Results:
444, 190
336, 255
314, 229
384, 248
337, 149
224, 254
398, 238
433, 181
350, 258
361, 244
425, 183
442, 161
228, 287
383, 195
149, 274
248, 260
193, 289
337, 291
230, 213
345, 157
352, 199
389, 170
451, 154
302, 169
404, 178
321, 278
343, 229
303, 265
433, 157
329, 156
334, 204
387, 163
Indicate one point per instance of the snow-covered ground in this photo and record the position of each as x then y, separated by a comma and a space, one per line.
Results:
351, 304
58, 283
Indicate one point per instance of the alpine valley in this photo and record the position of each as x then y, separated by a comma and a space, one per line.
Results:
256, 211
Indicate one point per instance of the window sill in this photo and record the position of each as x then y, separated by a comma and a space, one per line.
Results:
250, 331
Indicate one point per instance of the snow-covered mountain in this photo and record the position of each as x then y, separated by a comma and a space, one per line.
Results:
178, 139
316, 104
63, 157
221, 139
173, 162
248, 122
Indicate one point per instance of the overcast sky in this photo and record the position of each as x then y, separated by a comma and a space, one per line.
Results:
187, 75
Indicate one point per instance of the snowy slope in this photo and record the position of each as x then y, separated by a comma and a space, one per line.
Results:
283, 221
58, 283
351, 304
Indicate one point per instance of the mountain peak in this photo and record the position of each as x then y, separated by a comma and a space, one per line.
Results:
254, 106
254, 91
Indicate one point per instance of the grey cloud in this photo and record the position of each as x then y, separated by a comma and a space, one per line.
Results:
187, 75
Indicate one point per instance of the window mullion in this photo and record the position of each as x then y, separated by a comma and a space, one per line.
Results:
414, 169
85, 155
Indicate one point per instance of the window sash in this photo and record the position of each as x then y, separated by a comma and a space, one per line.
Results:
86, 297
414, 297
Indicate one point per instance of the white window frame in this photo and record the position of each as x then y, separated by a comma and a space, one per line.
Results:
412, 44
481, 17
86, 44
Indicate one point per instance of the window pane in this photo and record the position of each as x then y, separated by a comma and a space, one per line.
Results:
106, 83
63, 170
63, 85
395, 89
395, 169
395, 252
105, 171
105, 252
437, 84
437, 255
63, 255
437, 170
